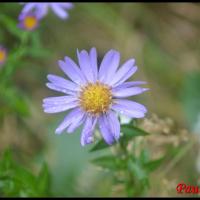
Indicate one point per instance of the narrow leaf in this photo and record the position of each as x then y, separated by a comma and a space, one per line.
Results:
137, 170
108, 162
43, 180
132, 131
101, 144
153, 164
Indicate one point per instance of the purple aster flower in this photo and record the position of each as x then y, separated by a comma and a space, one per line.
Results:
28, 21
95, 95
3, 55
41, 9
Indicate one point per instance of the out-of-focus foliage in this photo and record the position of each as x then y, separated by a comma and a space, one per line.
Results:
15, 180
164, 40
191, 97
129, 170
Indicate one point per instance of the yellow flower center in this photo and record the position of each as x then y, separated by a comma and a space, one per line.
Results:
2, 55
30, 22
95, 98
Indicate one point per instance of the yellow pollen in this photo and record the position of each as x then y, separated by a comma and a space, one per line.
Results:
30, 22
2, 55
95, 98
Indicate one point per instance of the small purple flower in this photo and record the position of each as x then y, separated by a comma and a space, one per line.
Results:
28, 21
41, 9
94, 95
3, 55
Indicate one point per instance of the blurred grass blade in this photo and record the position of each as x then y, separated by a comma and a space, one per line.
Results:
43, 180
11, 25
144, 156
17, 181
132, 131
154, 164
137, 170
13, 101
108, 162
101, 144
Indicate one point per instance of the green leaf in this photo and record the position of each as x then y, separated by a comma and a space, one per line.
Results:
144, 156
190, 95
132, 131
11, 25
6, 161
36, 49
101, 144
153, 164
16, 181
14, 101
23, 177
108, 162
38, 52
137, 170
43, 180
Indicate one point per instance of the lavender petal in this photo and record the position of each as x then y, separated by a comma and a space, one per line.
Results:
59, 11
28, 7
129, 108
127, 69
70, 68
67, 5
87, 132
59, 100
107, 131
129, 84
60, 108
93, 60
105, 64
60, 89
85, 65
72, 117
60, 81
128, 91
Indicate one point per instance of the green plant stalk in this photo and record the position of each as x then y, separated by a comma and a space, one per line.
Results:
128, 175
18, 54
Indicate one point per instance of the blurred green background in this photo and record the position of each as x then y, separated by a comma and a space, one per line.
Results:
164, 40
